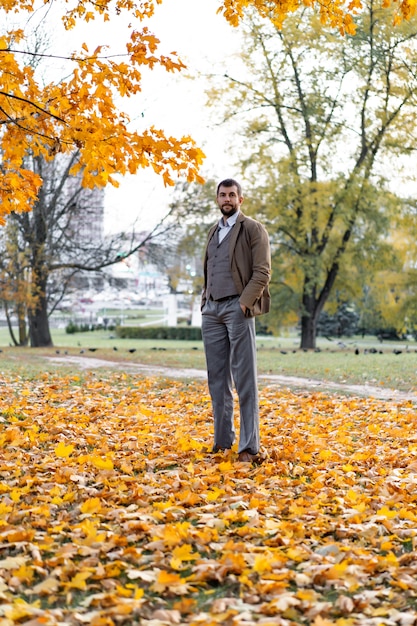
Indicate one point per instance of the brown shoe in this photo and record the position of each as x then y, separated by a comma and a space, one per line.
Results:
247, 457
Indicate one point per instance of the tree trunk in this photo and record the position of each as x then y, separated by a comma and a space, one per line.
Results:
21, 317
9, 324
309, 317
39, 332
40, 335
308, 332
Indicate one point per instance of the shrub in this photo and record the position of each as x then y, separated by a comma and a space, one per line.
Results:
72, 327
190, 333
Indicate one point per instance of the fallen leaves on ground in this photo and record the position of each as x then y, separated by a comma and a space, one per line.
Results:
112, 510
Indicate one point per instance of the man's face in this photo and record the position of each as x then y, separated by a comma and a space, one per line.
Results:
228, 200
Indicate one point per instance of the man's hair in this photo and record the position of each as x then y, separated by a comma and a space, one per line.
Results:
230, 182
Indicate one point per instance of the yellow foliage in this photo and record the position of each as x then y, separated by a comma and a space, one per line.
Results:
336, 13
102, 463
331, 512
79, 581
81, 112
63, 451
92, 505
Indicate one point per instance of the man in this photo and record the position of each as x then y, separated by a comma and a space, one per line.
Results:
237, 270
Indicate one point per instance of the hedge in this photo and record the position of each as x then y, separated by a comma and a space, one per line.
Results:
190, 333
71, 328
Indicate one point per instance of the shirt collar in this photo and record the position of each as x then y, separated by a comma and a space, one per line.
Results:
231, 221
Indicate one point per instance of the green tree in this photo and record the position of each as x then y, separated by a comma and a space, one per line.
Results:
342, 323
390, 298
321, 118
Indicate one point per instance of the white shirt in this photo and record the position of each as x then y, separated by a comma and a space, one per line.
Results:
225, 228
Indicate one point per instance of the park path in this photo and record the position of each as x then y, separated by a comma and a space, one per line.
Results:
292, 382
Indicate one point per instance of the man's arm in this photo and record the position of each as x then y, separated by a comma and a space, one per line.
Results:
261, 266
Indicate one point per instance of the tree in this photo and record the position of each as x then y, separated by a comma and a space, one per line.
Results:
321, 119
335, 13
342, 323
80, 112
15, 282
60, 238
390, 298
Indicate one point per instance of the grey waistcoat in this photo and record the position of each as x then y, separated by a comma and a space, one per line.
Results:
220, 283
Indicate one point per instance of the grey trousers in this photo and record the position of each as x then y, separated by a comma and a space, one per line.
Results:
230, 348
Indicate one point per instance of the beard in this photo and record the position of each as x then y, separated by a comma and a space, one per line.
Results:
228, 210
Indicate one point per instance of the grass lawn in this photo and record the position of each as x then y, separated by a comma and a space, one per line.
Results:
393, 365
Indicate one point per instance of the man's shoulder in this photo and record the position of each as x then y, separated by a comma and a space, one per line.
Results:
250, 222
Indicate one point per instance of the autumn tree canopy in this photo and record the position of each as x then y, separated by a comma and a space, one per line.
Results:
81, 110
336, 13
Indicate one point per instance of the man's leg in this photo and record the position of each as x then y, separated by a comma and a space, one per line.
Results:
217, 350
243, 361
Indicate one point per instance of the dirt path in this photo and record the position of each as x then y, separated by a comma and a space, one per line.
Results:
293, 382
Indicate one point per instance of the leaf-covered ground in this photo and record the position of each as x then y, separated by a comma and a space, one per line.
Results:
112, 510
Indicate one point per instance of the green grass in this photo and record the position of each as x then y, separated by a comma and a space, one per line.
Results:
396, 371
276, 356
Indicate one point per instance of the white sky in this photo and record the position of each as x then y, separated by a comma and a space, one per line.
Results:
205, 42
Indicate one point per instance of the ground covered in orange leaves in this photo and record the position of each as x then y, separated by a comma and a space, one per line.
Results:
113, 512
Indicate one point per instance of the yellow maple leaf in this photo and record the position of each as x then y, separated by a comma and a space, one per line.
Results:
168, 582
325, 455
225, 466
185, 553
20, 609
79, 581
384, 511
214, 494
89, 528
92, 505
102, 463
63, 451
262, 563
337, 571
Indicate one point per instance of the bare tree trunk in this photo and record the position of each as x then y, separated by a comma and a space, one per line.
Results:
309, 317
21, 319
9, 325
40, 335
308, 333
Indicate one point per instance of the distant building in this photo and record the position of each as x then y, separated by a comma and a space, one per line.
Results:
82, 219
90, 217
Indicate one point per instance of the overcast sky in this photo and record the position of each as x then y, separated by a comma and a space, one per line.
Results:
206, 43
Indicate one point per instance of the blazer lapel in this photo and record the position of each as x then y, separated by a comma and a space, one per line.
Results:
235, 231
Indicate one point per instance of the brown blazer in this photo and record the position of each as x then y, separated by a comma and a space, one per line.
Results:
250, 263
